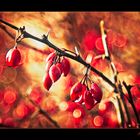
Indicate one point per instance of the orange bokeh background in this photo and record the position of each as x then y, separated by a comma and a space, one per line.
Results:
67, 30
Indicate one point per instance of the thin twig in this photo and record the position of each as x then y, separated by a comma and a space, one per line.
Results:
43, 112
120, 111
128, 88
125, 106
107, 53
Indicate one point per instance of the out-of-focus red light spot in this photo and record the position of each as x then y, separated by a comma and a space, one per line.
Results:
77, 113
36, 95
22, 111
63, 106
99, 45
89, 40
98, 121
111, 37
137, 79
9, 122
135, 91
10, 96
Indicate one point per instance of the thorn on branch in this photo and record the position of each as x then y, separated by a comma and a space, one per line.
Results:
45, 37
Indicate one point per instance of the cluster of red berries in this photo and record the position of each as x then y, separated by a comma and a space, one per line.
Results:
81, 94
13, 57
55, 67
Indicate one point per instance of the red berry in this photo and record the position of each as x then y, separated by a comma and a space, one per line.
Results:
51, 56
48, 65
59, 65
13, 57
76, 91
47, 82
97, 92
65, 66
89, 99
54, 73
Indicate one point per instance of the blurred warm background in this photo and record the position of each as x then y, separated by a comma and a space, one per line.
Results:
67, 30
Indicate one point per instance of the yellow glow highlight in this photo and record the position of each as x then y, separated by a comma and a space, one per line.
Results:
98, 121
77, 113
102, 106
63, 106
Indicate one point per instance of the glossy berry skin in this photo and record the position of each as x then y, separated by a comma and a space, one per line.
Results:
89, 99
47, 82
97, 92
54, 73
51, 56
13, 57
76, 93
66, 66
48, 65
59, 65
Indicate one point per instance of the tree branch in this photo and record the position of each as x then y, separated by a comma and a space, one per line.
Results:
128, 88
44, 113
63, 53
